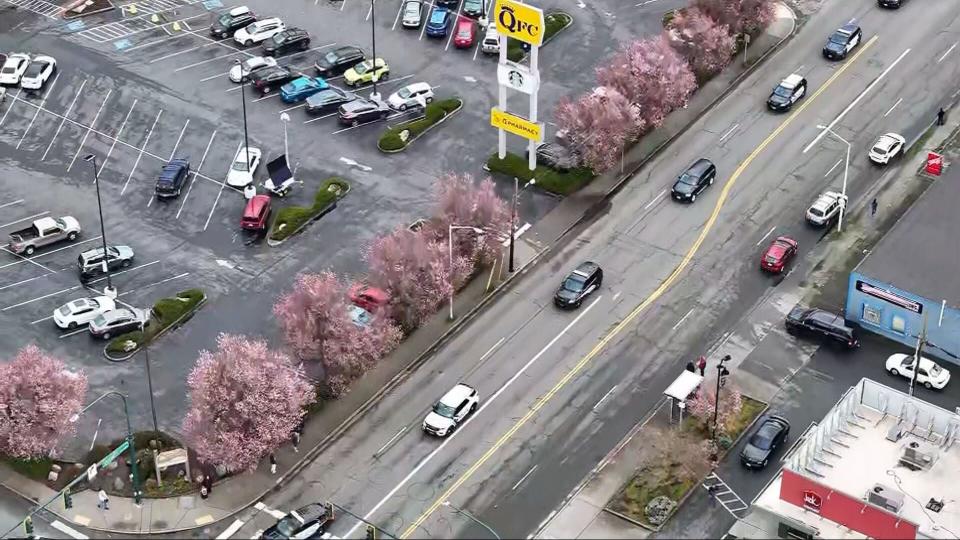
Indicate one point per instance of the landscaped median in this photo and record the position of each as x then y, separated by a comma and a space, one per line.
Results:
400, 136
554, 23
561, 183
166, 313
292, 219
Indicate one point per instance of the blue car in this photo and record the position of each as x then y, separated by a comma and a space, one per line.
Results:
301, 88
439, 22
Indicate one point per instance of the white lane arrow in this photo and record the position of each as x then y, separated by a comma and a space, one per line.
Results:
352, 163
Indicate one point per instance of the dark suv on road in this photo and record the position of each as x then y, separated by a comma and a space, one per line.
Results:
821, 324
291, 39
172, 178
694, 180
579, 284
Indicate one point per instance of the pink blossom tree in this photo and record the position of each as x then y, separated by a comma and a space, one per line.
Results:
37, 398
460, 201
307, 312
740, 16
245, 401
600, 124
706, 44
352, 350
701, 407
652, 75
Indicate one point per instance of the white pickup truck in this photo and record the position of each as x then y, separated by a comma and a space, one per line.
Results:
43, 232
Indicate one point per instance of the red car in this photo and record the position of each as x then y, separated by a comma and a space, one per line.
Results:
776, 257
466, 33
256, 213
369, 298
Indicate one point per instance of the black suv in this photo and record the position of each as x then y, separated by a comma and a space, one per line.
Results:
361, 111
578, 285
788, 92
172, 178
821, 324
895, 4
339, 60
231, 21
267, 79
694, 180
841, 42
329, 99
768, 435
291, 39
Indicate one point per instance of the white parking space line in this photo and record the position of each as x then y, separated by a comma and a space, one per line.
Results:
835, 165
456, 21
265, 96
294, 107
11, 203
12, 101
140, 154
320, 118
62, 120
766, 235
115, 137
399, 11
44, 297
29, 260
952, 47
28, 218
80, 330
890, 110
182, 51
87, 134
216, 76
45, 253
179, 138
28, 280
152, 43
342, 3
238, 87
202, 62
219, 193
370, 10
37, 112
384, 84
194, 181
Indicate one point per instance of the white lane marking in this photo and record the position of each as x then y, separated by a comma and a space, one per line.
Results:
388, 443
16, 98
320, 118
219, 193
682, 319
142, 149
211, 77
952, 47
515, 486
516, 236
835, 165
62, 120
73, 533
491, 349
231, 530
37, 112
353, 163
22, 281
93, 122
74, 333
18, 201
370, 10
195, 172
617, 296
293, 108
180, 138
397, 18
456, 21
655, 199
892, 108
28, 218
201, 62
471, 418
605, 396
115, 137
853, 104
32, 300
727, 134
51, 252
264, 508
151, 43
766, 235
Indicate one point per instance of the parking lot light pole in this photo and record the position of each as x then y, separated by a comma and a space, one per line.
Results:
243, 100
137, 494
846, 170
477, 230
109, 290
373, 38
722, 373
284, 118
513, 213
472, 517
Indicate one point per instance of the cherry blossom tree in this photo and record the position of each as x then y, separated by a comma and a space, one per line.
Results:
652, 75
352, 350
245, 401
37, 398
701, 407
460, 201
741, 16
684, 450
307, 312
599, 125
706, 44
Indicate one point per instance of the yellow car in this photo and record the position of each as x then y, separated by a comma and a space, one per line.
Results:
364, 72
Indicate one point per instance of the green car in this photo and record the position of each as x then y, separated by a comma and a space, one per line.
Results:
364, 73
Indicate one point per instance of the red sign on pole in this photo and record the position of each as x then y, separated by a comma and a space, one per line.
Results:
934, 163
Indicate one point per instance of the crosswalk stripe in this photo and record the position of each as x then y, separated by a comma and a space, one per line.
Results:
231, 530
62, 527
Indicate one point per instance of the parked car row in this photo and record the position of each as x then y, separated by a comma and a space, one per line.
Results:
28, 72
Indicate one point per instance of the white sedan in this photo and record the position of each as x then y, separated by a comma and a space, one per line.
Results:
242, 71
82, 311
886, 148
38, 73
244, 165
931, 375
13, 68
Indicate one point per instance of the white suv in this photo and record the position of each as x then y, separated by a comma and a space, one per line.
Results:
825, 208
453, 408
259, 31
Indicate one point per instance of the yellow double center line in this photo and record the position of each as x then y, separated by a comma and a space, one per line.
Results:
656, 294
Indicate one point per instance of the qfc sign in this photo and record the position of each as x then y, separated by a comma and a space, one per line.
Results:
519, 21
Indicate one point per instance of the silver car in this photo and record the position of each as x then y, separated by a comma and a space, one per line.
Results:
412, 13
825, 209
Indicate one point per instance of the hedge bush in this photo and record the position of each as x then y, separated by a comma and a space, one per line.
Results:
291, 218
165, 312
434, 112
561, 183
554, 22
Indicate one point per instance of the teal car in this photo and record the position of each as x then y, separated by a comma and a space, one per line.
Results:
301, 88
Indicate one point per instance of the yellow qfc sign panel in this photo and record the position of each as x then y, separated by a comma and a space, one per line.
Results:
519, 21
515, 124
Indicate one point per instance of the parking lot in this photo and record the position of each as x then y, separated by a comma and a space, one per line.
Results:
142, 85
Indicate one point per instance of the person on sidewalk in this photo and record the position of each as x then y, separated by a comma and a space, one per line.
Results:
273, 464
702, 364
873, 207
204, 492
295, 437
941, 116
103, 500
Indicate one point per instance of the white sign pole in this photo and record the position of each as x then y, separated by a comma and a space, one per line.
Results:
532, 145
502, 102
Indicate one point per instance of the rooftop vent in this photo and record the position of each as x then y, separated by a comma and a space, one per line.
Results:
934, 505
885, 497
918, 456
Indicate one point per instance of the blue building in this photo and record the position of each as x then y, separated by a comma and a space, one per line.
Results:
914, 272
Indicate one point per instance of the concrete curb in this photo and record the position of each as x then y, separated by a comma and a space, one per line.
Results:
326, 210
424, 132
170, 326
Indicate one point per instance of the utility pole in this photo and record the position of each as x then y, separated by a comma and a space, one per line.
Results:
921, 341
722, 373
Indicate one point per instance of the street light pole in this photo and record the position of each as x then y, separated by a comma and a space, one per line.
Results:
246, 141
846, 170
721, 373
513, 212
284, 118
921, 341
146, 357
137, 494
472, 517
450, 255
373, 38
109, 290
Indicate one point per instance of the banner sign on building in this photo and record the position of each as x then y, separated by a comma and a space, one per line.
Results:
890, 297
516, 124
519, 21
518, 77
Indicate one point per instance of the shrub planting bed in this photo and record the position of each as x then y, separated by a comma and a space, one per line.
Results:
291, 219
166, 312
561, 183
398, 137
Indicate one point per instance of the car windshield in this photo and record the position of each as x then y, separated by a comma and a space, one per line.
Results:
574, 283
225, 19
252, 28
279, 38
443, 410
404, 93
99, 321
33, 70
935, 370
781, 91
838, 39
64, 310
687, 178
413, 8
239, 164
761, 439
288, 526
464, 33
362, 68
816, 212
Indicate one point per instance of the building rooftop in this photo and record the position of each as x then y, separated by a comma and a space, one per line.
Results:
925, 238
894, 455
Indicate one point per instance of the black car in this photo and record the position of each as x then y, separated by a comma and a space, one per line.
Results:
337, 61
448, 3
890, 3
231, 21
172, 178
557, 157
309, 521
769, 434
329, 99
579, 284
361, 111
841, 42
291, 39
821, 324
788, 92
266, 79
694, 180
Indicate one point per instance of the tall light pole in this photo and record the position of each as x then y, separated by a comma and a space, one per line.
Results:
284, 118
722, 373
472, 517
109, 290
846, 170
373, 38
243, 99
921, 341
513, 212
146, 358
477, 230
137, 494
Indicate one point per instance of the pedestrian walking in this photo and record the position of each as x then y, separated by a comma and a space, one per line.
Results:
941, 116
295, 436
702, 364
273, 464
102, 500
204, 492
873, 207
208, 483
712, 492
691, 368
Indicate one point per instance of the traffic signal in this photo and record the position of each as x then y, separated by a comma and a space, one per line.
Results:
67, 500
371, 532
723, 375
28, 526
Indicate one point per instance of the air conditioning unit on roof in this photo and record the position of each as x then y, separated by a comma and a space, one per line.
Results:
885, 497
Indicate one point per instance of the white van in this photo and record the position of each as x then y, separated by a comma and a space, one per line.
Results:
491, 40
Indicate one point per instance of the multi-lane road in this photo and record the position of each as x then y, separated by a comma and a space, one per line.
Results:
559, 389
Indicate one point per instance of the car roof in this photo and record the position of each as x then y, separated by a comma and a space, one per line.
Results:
848, 28
456, 395
117, 314
699, 166
311, 511
791, 81
171, 169
464, 21
239, 10
413, 87
439, 13
825, 199
256, 203
586, 268
347, 49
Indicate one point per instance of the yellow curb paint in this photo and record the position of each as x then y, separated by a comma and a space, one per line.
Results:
83, 521
204, 520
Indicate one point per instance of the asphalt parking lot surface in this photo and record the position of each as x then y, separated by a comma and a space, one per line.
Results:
136, 93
